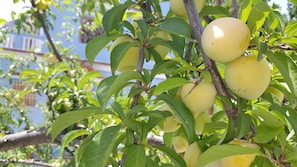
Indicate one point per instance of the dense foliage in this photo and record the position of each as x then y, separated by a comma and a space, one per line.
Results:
121, 119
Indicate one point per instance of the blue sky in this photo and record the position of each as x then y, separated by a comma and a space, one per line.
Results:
19, 7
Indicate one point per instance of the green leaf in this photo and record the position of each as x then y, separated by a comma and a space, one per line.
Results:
96, 45
291, 29
214, 10
266, 133
118, 53
113, 17
294, 2
86, 79
114, 84
289, 113
176, 26
162, 67
169, 83
287, 68
182, 112
70, 136
135, 156
246, 8
261, 161
243, 124
28, 73
257, 16
217, 152
175, 158
69, 118
268, 126
96, 149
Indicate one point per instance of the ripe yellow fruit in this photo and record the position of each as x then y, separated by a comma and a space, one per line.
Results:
170, 124
244, 160
198, 97
180, 144
192, 154
43, 4
214, 164
52, 58
130, 58
161, 49
225, 39
178, 7
200, 121
279, 94
247, 77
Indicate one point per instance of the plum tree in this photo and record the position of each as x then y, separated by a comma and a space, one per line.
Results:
178, 8
130, 58
198, 96
225, 39
247, 77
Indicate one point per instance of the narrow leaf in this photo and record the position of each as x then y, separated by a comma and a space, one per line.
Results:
176, 159
113, 17
69, 118
182, 112
169, 84
96, 45
217, 152
135, 156
176, 26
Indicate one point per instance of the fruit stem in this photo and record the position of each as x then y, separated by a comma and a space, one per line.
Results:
197, 29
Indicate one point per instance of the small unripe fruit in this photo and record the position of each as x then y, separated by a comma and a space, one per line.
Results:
130, 58
180, 144
247, 77
198, 97
192, 154
225, 39
244, 160
178, 7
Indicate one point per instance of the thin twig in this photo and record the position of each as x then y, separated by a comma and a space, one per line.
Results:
234, 9
30, 162
210, 65
47, 34
281, 47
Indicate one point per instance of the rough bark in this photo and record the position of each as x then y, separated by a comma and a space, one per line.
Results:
24, 138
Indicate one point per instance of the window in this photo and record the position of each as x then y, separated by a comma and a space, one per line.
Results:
88, 29
30, 98
9, 41
31, 43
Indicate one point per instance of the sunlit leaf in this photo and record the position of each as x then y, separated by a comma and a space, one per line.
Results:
220, 151
168, 84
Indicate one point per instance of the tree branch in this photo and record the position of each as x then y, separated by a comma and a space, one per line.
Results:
47, 34
234, 9
210, 65
24, 138
26, 162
